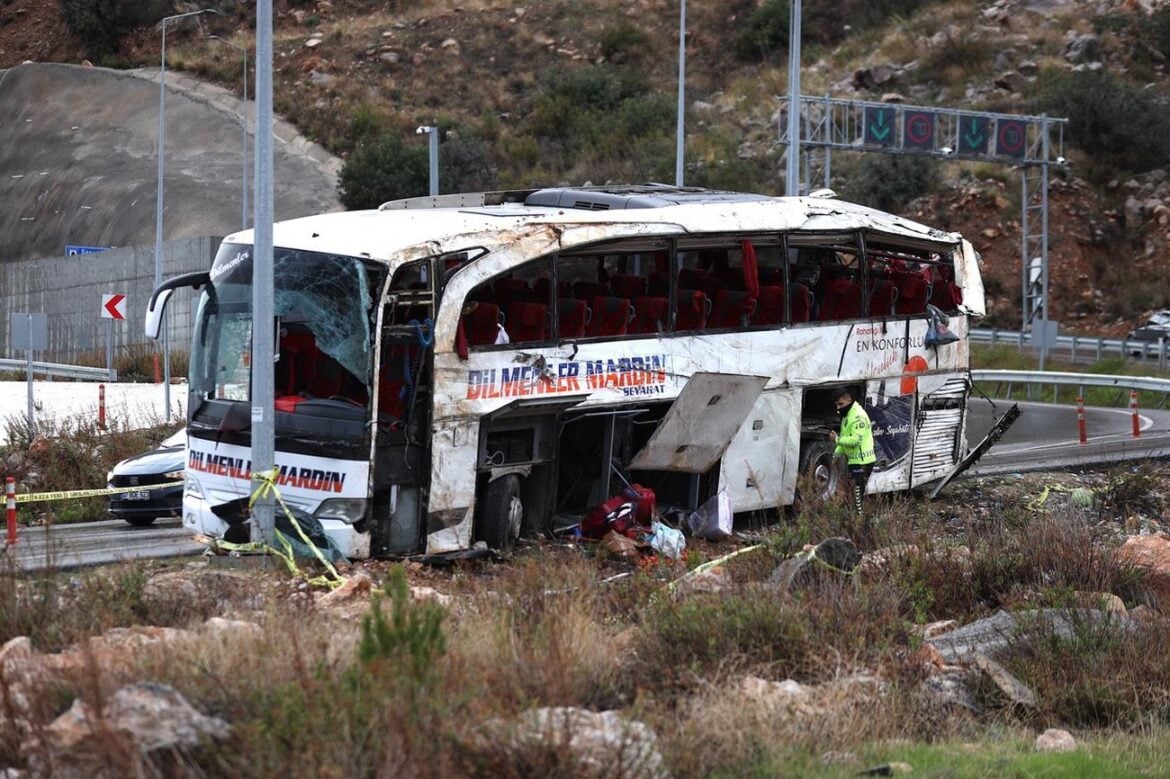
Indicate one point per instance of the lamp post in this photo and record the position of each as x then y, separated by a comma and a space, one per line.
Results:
792, 185
433, 156
682, 94
243, 132
158, 205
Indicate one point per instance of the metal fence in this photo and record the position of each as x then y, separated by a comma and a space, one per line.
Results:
1081, 348
83, 372
69, 291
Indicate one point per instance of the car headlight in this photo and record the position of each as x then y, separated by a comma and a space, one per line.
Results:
191, 487
109, 477
174, 475
348, 510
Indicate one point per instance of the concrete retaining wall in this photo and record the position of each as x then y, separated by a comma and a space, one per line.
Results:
69, 290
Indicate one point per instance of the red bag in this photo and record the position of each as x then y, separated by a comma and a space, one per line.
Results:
625, 513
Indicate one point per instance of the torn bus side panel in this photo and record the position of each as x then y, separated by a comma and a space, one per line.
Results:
969, 279
761, 465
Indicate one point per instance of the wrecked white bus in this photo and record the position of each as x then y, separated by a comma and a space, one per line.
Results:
463, 368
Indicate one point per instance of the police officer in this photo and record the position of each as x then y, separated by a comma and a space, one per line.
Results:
855, 442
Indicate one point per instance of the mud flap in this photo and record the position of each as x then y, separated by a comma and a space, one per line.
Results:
996, 433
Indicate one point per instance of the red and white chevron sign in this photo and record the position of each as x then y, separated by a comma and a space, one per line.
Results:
113, 306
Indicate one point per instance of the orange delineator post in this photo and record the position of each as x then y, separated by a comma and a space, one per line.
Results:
1082, 428
10, 490
157, 372
102, 406
1133, 407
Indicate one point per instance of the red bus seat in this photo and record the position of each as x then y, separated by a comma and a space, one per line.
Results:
610, 316
650, 315
842, 300
572, 316
627, 286
731, 309
527, 322
693, 308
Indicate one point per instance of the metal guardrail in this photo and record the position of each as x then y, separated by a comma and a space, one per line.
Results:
1079, 380
1081, 347
58, 369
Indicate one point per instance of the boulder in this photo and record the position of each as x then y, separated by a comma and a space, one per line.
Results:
1150, 554
1055, 740
143, 724
600, 743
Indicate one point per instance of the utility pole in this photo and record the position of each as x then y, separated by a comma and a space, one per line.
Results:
792, 184
263, 322
680, 136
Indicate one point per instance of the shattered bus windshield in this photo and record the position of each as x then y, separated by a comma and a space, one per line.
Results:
322, 305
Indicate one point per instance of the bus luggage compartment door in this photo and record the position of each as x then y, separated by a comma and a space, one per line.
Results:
700, 424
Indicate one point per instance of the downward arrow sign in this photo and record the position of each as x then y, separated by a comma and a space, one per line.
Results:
879, 129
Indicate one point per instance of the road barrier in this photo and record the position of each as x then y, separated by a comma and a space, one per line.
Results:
1082, 428
10, 493
83, 372
1133, 409
1080, 348
1056, 379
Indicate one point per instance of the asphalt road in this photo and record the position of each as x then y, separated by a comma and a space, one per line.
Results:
99, 543
1045, 437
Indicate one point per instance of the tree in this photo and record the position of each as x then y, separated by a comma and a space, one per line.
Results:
386, 169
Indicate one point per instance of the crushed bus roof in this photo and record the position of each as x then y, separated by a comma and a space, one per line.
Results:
452, 222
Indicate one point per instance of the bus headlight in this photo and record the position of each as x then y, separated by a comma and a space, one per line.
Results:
174, 475
191, 487
348, 510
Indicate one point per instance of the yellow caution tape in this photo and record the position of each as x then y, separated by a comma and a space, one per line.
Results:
267, 485
41, 497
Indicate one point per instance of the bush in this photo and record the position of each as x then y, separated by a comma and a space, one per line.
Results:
101, 23
623, 42
386, 169
1120, 126
889, 182
389, 169
763, 34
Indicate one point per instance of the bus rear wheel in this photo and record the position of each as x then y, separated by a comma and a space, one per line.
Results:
500, 514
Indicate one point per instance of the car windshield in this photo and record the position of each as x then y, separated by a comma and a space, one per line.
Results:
1159, 319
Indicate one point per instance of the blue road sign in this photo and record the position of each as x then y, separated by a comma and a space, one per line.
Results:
71, 250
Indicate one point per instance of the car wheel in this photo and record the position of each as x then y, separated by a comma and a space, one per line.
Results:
141, 521
500, 514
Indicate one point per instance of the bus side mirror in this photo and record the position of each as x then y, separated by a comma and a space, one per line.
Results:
154, 312
158, 300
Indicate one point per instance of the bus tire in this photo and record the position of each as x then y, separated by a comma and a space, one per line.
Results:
821, 469
500, 514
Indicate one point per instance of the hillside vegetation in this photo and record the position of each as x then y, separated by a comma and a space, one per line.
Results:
573, 92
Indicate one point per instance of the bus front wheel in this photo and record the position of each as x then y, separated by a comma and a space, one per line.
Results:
500, 514
820, 469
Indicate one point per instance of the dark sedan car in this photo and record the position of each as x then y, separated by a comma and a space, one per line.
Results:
158, 466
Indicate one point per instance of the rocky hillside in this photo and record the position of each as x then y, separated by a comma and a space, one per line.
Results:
564, 91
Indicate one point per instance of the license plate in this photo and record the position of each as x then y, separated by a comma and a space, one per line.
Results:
140, 495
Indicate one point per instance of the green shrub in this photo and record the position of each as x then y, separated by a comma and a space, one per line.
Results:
1159, 30
889, 182
623, 42
411, 640
1097, 105
385, 169
101, 23
763, 33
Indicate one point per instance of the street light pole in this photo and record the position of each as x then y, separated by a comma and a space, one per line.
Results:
792, 185
680, 142
243, 132
158, 204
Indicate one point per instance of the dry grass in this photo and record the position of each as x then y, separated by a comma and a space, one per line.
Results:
325, 691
